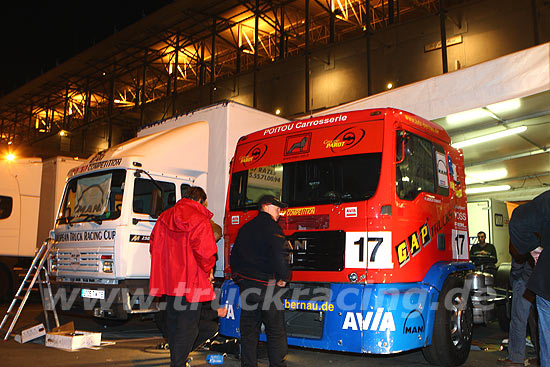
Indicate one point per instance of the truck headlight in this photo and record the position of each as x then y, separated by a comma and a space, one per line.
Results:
107, 266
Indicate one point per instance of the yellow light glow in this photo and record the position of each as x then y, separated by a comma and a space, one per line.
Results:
389, 86
10, 157
62, 133
10, 143
278, 111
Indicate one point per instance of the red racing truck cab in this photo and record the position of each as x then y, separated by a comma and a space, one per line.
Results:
376, 229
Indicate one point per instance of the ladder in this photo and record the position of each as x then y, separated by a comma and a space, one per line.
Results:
37, 274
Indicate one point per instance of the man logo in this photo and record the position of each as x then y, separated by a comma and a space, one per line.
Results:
414, 323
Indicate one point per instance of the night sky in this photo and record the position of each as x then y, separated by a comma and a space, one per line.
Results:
38, 35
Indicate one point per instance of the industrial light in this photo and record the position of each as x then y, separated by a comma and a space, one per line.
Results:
475, 114
479, 190
10, 157
63, 133
10, 143
489, 137
389, 86
506, 106
484, 176
278, 111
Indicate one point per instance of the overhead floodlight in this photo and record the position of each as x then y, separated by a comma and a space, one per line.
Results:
471, 115
485, 176
479, 190
506, 106
10, 157
489, 137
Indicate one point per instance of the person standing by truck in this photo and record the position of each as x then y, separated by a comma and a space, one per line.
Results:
527, 220
183, 253
259, 268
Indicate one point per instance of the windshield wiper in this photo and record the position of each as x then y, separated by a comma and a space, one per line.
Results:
94, 218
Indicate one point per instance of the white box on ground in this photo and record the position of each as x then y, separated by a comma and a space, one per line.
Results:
72, 340
30, 333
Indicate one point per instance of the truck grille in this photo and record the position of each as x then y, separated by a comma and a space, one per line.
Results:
317, 250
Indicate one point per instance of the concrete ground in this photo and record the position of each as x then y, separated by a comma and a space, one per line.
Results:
135, 344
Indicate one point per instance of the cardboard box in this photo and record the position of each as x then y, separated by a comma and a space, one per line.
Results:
66, 337
30, 333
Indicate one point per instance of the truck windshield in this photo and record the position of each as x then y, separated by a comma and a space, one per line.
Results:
93, 198
312, 182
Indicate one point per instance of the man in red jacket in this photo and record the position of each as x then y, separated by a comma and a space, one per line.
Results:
183, 253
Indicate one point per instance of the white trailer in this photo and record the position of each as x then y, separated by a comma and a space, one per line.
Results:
30, 192
491, 217
101, 260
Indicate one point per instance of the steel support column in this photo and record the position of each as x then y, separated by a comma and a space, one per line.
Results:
368, 48
282, 35
443, 36
535, 22
65, 105
306, 58
213, 61
256, 48
176, 70
110, 107
143, 99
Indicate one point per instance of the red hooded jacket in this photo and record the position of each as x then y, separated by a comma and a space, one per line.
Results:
183, 253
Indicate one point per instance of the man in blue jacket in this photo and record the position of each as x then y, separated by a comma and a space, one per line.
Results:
527, 221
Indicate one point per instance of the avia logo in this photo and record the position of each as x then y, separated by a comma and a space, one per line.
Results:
98, 157
298, 144
254, 154
414, 323
230, 312
347, 139
379, 321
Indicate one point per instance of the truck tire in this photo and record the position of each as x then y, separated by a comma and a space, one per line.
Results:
453, 324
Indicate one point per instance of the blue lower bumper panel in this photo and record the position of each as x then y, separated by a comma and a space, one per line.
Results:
360, 318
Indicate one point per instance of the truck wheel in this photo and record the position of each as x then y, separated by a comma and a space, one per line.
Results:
453, 324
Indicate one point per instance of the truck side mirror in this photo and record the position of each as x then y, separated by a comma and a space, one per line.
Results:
156, 203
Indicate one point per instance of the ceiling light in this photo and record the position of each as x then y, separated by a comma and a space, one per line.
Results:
505, 106
278, 111
489, 137
389, 86
479, 190
485, 176
10, 157
475, 114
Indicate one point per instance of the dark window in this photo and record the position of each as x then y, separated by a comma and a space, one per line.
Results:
184, 188
143, 193
311, 182
6, 206
415, 168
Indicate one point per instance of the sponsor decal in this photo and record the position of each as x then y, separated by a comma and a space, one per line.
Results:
97, 165
140, 238
308, 306
254, 154
299, 211
421, 123
107, 235
350, 137
351, 212
442, 177
379, 321
460, 245
305, 124
419, 239
235, 219
297, 144
414, 323
98, 157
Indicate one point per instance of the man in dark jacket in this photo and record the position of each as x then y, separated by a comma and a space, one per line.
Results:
259, 268
528, 220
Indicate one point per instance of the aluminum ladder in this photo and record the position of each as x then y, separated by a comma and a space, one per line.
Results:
37, 274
